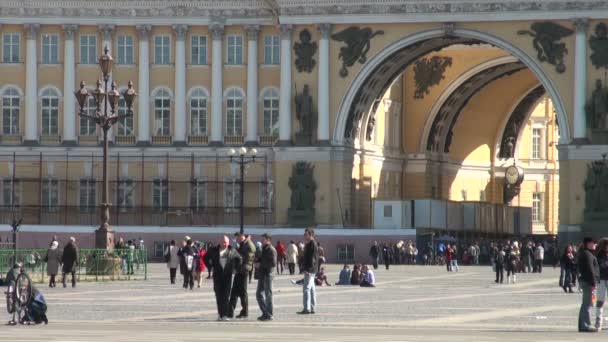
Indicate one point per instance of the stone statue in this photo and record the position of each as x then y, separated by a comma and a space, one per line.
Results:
597, 108
357, 42
303, 187
547, 36
305, 114
599, 45
593, 186
305, 50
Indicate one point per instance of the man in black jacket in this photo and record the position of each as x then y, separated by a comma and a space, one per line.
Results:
310, 262
225, 261
589, 277
69, 259
374, 252
265, 267
246, 250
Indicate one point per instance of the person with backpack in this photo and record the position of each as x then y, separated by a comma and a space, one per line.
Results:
499, 264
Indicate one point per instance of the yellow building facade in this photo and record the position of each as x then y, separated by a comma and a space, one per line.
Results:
410, 101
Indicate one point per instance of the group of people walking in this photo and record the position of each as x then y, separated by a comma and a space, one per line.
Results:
231, 268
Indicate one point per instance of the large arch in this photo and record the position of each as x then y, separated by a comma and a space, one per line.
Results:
355, 105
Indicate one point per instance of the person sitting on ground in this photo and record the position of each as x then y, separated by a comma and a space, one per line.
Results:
355, 276
369, 280
321, 278
344, 278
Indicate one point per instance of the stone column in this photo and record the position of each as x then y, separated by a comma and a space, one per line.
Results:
217, 34
323, 86
179, 134
143, 110
580, 80
106, 41
252, 84
31, 85
285, 91
69, 85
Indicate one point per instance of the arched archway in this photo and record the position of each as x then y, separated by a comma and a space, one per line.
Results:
379, 71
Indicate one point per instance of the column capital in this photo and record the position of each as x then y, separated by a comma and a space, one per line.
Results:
252, 31
143, 30
106, 31
32, 30
217, 31
180, 31
325, 30
286, 30
69, 30
580, 24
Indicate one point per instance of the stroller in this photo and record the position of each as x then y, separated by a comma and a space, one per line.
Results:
23, 300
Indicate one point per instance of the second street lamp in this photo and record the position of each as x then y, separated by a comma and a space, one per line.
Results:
106, 102
243, 158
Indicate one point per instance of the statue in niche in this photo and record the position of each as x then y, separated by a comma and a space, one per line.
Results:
448, 141
597, 108
305, 50
596, 186
303, 187
305, 114
429, 72
599, 45
546, 42
370, 128
357, 42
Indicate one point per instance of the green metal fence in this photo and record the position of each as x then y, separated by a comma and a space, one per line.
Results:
93, 264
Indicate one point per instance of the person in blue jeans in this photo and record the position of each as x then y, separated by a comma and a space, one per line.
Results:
589, 270
310, 264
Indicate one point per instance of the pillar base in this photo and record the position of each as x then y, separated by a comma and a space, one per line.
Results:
216, 143
31, 143
142, 143
104, 239
323, 143
580, 141
180, 143
252, 143
284, 143
69, 143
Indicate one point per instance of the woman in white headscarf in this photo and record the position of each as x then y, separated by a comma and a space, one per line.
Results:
52, 259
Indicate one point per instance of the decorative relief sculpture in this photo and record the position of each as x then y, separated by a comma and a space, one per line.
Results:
596, 187
303, 187
599, 46
357, 42
597, 108
370, 127
305, 114
429, 72
517, 120
305, 50
547, 36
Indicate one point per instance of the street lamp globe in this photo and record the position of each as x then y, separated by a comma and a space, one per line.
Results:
232, 152
254, 152
81, 95
242, 151
106, 62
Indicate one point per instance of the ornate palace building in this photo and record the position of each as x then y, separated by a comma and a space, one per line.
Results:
381, 100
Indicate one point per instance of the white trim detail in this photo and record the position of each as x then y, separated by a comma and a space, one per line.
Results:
6, 87
154, 92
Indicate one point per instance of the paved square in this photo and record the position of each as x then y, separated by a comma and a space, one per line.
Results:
410, 303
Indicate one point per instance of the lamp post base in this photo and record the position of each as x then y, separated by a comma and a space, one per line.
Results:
104, 239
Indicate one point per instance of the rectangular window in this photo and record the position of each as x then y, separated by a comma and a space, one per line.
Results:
159, 248
10, 113
537, 207
232, 194
125, 123
161, 194
50, 116
388, 211
235, 50
126, 188
10, 50
87, 197
88, 49
125, 49
162, 50
346, 253
50, 49
271, 50
11, 196
537, 134
50, 194
199, 50
271, 115
198, 194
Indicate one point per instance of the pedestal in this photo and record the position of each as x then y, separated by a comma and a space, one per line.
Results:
104, 239
599, 137
301, 217
303, 139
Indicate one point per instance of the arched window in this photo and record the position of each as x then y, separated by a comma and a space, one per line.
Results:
198, 112
50, 112
125, 124
10, 112
270, 102
234, 112
88, 126
162, 113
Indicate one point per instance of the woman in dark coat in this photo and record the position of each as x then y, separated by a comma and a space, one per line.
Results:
53, 259
69, 259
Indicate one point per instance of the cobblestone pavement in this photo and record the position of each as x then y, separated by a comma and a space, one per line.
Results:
410, 303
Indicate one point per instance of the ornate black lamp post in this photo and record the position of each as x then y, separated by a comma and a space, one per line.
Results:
15, 229
104, 98
243, 158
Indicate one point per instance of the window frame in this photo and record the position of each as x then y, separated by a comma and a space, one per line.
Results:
50, 185
162, 95
199, 95
123, 48
89, 185
14, 111
160, 187
201, 58
126, 200
235, 194
47, 49
235, 96
272, 49
91, 49
234, 57
14, 199
49, 95
165, 49
86, 126
537, 207
271, 129
198, 187
8, 56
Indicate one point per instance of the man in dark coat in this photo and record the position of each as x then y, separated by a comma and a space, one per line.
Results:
265, 266
186, 255
374, 252
246, 250
69, 259
589, 271
387, 255
225, 261
310, 266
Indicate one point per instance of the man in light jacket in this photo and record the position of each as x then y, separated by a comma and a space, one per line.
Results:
292, 257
